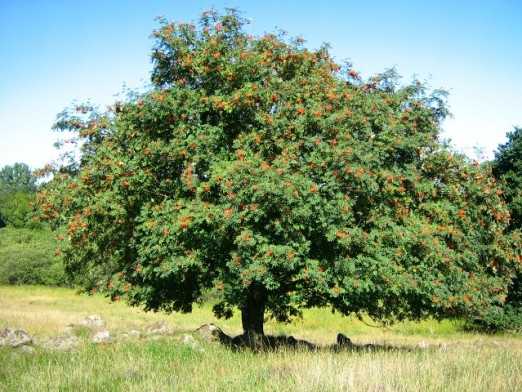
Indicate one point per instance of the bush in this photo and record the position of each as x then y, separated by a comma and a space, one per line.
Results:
28, 257
505, 319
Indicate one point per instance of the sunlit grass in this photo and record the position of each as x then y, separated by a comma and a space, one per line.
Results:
454, 360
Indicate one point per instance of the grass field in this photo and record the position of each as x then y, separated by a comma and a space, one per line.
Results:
453, 361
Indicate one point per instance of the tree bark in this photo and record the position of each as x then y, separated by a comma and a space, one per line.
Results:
253, 314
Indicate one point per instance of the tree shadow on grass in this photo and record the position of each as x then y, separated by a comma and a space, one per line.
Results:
256, 342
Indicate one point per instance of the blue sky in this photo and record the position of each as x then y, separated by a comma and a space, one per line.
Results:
53, 52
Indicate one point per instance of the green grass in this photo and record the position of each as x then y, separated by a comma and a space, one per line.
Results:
469, 362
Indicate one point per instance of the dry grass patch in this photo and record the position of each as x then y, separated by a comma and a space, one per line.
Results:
454, 361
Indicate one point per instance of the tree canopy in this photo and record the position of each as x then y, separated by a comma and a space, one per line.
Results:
507, 168
17, 190
279, 179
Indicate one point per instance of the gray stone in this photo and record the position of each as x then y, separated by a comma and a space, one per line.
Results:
344, 341
189, 340
63, 343
70, 330
210, 332
14, 337
102, 337
134, 333
93, 322
159, 328
25, 350
249, 339
423, 345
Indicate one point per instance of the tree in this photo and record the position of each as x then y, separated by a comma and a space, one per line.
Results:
17, 189
507, 167
16, 209
266, 172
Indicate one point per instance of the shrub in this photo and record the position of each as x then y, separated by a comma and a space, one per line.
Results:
28, 257
503, 318
507, 318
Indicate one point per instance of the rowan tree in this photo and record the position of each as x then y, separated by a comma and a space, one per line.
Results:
271, 175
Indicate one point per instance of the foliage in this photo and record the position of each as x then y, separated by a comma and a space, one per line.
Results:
505, 318
16, 178
281, 180
29, 257
16, 209
27, 253
507, 168
17, 190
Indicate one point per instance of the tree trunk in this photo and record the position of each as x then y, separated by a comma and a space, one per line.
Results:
253, 314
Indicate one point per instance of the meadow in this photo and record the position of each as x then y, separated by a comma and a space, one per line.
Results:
451, 360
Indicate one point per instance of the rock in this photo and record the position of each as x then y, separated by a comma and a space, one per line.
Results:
284, 342
63, 343
70, 330
210, 333
159, 328
93, 322
102, 337
305, 345
276, 342
14, 337
343, 341
189, 340
132, 334
25, 350
422, 345
252, 340
249, 339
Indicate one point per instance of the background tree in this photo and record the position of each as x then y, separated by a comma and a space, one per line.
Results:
17, 190
27, 255
280, 180
507, 168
